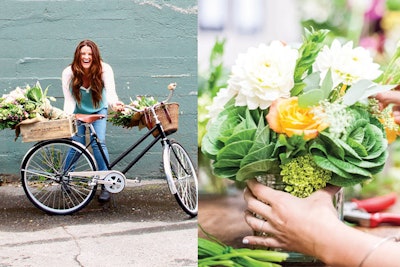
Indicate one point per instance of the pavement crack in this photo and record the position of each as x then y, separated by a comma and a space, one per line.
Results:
134, 231
76, 258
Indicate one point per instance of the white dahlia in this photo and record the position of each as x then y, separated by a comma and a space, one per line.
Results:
348, 64
263, 74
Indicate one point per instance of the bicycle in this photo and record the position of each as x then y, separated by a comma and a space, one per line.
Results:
60, 176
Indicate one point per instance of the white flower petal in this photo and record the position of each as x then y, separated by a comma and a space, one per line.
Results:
348, 64
263, 74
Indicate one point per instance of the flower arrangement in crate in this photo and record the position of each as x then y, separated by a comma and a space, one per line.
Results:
29, 103
301, 116
129, 118
167, 113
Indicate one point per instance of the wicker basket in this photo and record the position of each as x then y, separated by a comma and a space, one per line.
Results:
168, 115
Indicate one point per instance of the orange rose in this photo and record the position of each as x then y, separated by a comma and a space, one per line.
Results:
391, 135
391, 128
285, 116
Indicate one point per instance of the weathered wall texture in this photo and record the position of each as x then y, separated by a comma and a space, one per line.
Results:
148, 43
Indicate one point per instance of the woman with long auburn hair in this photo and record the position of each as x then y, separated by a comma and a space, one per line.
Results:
89, 88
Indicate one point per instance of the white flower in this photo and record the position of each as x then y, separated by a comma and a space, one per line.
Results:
127, 111
263, 74
219, 101
348, 65
17, 93
335, 115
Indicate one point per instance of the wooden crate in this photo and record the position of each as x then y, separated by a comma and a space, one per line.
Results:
47, 130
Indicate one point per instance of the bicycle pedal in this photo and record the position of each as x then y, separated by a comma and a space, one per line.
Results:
92, 183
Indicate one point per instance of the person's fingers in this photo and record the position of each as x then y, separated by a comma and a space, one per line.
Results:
266, 241
382, 105
396, 108
118, 106
389, 97
259, 224
254, 205
247, 194
329, 190
263, 192
325, 195
397, 119
396, 114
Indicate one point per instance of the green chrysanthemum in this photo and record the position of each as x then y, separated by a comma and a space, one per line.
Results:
303, 176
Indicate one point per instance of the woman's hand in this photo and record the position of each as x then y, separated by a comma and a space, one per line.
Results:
290, 223
117, 106
389, 97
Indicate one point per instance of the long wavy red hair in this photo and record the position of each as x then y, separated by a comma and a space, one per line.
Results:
95, 73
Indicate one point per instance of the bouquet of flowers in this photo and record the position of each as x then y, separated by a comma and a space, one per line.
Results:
27, 103
129, 118
304, 114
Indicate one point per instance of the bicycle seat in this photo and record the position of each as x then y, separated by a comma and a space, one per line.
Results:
89, 118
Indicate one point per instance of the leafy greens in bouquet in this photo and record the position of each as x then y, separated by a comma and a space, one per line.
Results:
128, 118
305, 114
29, 103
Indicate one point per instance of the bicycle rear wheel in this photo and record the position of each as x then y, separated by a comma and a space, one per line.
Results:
44, 176
182, 175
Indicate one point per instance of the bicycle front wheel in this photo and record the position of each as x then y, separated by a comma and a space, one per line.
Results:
182, 177
45, 179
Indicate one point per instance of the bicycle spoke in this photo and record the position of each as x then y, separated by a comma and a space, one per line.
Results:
184, 178
45, 177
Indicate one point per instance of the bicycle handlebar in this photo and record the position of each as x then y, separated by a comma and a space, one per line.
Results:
171, 88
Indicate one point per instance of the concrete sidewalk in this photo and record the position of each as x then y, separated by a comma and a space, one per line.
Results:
119, 244
143, 226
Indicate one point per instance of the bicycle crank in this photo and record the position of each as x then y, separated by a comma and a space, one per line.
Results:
114, 182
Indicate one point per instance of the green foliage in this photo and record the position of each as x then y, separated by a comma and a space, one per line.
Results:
216, 76
212, 252
393, 5
128, 118
391, 74
240, 144
21, 104
363, 89
337, 21
243, 148
312, 44
209, 83
355, 156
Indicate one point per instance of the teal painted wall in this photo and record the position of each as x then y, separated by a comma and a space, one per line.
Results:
148, 43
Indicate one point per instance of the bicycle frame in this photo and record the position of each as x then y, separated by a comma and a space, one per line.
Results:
109, 165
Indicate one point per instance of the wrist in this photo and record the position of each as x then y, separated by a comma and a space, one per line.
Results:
346, 247
323, 240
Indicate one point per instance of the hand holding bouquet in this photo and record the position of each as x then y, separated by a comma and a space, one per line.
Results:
128, 118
